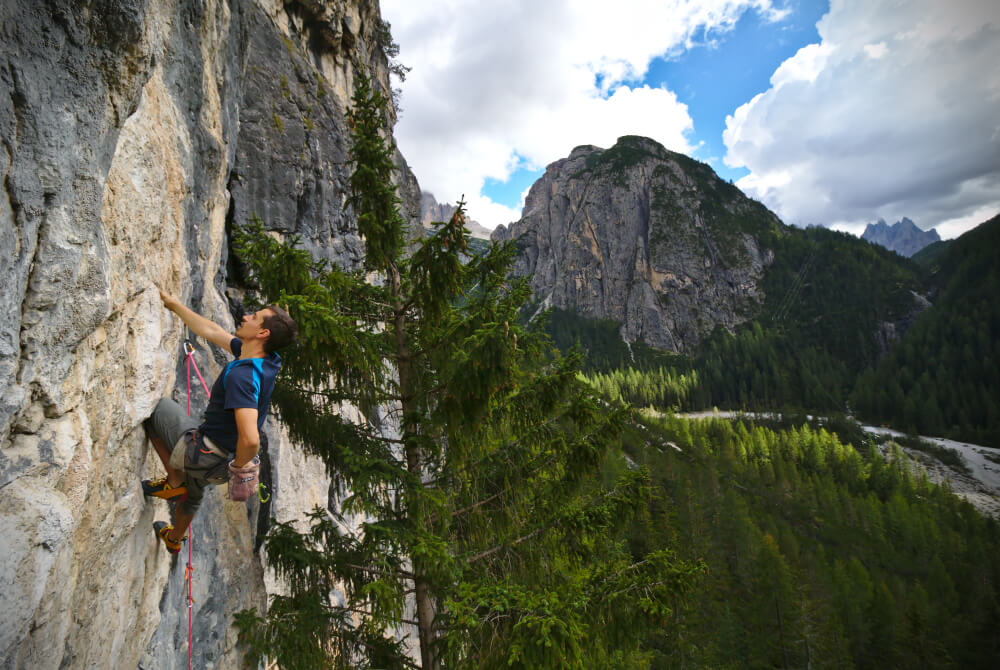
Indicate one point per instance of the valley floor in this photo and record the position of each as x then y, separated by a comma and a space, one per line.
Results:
980, 484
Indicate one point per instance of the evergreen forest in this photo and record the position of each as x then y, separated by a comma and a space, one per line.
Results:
821, 551
824, 548
820, 342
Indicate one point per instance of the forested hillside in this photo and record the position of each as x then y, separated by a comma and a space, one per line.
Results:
823, 552
820, 553
845, 327
944, 377
828, 297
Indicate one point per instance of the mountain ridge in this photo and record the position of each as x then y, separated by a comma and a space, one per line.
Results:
904, 237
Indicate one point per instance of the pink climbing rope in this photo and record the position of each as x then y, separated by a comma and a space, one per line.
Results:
189, 350
188, 574
189, 569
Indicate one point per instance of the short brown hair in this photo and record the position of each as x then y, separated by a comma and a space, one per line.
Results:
282, 327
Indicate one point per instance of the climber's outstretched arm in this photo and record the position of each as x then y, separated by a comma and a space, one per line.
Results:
198, 324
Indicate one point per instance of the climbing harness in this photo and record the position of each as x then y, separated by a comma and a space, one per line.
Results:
189, 568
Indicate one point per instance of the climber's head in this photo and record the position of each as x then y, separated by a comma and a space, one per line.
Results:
271, 325
283, 328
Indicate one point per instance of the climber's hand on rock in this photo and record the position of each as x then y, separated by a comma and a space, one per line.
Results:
169, 301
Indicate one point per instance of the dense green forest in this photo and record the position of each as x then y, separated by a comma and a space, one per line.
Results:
815, 344
819, 554
944, 377
823, 551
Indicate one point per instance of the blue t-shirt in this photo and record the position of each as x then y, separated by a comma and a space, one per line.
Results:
244, 383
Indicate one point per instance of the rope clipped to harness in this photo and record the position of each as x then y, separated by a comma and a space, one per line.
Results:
189, 352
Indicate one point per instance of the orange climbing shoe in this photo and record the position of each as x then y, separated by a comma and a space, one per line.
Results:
162, 528
159, 488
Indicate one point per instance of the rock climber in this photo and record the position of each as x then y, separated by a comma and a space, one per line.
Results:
224, 447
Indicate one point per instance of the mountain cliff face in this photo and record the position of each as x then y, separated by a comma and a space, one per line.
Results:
646, 237
135, 135
431, 210
903, 237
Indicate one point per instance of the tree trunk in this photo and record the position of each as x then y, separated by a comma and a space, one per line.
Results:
781, 633
414, 463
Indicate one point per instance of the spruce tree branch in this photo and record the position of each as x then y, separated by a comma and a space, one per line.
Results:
502, 492
495, 549
337, 396
358, 610
524, 538
633, 587
403, 659
505, 448
475, 505
378, 571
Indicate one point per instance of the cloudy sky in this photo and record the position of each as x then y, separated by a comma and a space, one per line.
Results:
832, 112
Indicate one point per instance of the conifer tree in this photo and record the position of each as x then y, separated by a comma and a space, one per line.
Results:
474, 470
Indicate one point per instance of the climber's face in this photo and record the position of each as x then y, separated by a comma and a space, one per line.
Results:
253, 326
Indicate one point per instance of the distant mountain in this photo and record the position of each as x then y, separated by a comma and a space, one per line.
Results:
903, 237
431, 211
645, 237
642, 251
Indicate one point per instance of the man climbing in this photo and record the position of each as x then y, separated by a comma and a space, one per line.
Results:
225, 444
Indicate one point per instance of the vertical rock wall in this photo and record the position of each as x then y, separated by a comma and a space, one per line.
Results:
135, 134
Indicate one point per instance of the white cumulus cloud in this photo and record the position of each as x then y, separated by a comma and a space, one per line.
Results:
496, 85
894, 113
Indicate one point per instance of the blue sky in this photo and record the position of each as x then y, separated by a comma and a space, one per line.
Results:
720, 72
728, 69
833, 112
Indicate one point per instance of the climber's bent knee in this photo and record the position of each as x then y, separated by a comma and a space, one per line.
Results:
169, 423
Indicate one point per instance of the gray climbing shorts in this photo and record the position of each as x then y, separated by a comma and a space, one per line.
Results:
202, 465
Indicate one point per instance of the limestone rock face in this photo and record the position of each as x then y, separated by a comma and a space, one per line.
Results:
646, 237
135, 134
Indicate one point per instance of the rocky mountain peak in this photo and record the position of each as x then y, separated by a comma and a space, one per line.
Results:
904, 237
583, 150
644, 236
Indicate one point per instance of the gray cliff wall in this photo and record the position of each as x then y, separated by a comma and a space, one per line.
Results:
646, 237
135, 135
